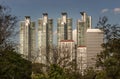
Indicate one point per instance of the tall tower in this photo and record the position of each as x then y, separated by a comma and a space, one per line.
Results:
27, 38
45, 38
64, 28
82, 26
94, 40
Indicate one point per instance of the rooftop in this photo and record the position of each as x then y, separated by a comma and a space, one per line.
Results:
64, 13
94, 30
45, 14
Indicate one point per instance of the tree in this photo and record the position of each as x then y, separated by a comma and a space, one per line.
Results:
56, 72
109, 59
110, 31
89, 73
7, 26
62, 66
12, 65
63, 57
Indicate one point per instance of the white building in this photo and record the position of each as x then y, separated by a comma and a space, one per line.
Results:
82, 25
81, 58
68, 47
94, 39
64, 28
45, 39
74, 35
27, 38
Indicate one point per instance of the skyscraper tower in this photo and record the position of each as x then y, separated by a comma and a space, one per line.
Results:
64, 28
45, 38
94, 39
27, 38
82, 26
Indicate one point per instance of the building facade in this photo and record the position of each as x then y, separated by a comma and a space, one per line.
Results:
88, 41
81, 59
28, 39
45, 39
66, 53
94, 40
82, 26
68, 46
64, 28
74, 35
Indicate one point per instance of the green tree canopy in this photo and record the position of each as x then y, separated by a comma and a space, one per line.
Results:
12, 65
109, 59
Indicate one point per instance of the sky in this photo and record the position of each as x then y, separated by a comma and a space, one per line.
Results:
94, 8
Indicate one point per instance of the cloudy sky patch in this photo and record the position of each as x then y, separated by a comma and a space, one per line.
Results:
104, 10
116, 10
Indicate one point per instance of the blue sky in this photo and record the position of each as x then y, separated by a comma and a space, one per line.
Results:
94, 8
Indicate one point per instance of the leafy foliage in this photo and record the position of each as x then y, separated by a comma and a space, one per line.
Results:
110, 31
89, 73
7, 24
109, 59
57, 72
13, 66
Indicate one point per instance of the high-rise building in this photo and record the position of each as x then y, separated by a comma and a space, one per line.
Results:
82, 26
93, 41
27, 38
88, 41
66, 53
81, 58
64, 28
74, 35
45, 39
68, 47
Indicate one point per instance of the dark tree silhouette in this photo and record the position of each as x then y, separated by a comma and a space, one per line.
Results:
7, 25
109, 59
12, 65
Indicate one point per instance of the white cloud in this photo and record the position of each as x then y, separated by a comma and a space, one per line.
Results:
104, 10
116, 10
